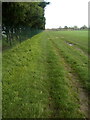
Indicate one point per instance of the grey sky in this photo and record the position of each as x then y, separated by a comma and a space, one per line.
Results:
66, 12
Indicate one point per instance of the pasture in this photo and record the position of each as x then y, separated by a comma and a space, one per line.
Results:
47, 76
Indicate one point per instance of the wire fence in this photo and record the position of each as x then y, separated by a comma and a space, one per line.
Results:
11, 39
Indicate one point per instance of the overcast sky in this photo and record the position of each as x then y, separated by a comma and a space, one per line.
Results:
66, 13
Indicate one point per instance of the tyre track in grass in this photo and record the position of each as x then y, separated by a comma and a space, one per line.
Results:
55, 78
51, 102
52, 105
60, 101
82, 96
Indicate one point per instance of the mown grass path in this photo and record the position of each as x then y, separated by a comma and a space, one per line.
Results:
38, 79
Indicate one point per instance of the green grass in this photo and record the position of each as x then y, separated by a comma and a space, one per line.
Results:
35, 82
79, 38
74, 55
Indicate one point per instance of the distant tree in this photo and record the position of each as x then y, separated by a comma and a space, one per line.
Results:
65, 27
84, 27
75, 27
60, 28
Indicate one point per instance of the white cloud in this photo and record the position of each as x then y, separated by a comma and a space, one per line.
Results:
66, 12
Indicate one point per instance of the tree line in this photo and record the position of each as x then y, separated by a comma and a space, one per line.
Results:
84, 27
22, 19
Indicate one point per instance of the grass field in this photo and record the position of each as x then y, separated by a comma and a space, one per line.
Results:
47, 76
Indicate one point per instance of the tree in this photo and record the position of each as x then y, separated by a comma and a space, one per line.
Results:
75, 27
65, 27
18, 16
84, 27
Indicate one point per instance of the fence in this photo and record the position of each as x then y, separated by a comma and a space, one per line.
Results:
10, 39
